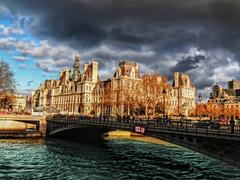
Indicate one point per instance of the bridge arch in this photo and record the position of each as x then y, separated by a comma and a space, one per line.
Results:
81, 132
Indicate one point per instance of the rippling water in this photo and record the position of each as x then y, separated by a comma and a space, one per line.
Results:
111, 159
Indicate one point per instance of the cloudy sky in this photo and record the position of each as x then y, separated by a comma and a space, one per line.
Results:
200, 37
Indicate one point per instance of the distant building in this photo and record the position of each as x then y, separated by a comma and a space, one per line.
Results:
234, 84
19, 103
126, 93
225, 102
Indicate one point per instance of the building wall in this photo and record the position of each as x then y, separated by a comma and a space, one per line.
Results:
72, 92
19, 103
185, 93
119, 95
224, 102
84, 93
234, 84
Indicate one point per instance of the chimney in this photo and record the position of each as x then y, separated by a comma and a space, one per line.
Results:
176, 79
94, 71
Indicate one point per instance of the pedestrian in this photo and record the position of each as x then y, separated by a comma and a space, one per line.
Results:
232, 124
157, 121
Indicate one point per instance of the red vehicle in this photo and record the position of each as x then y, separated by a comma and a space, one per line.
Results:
224, 121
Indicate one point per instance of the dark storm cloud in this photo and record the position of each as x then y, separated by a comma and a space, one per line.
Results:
187, 63
119, 34
208, 24
166, 27
191, 66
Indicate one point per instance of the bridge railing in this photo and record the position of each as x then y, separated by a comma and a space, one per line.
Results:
153, 125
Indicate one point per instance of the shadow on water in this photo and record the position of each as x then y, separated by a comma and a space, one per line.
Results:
94, 136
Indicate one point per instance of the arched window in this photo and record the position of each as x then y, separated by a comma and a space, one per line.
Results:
132, 73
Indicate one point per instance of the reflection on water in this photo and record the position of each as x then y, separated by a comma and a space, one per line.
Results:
110, 159
136, 137
23, 140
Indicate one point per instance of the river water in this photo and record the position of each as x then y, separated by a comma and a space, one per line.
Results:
110, 159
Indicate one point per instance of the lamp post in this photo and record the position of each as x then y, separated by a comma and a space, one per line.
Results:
185, 114
164, 94
200, 105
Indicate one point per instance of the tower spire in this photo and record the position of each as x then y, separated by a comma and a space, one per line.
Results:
76, 71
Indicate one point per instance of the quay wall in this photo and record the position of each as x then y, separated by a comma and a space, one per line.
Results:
14, 125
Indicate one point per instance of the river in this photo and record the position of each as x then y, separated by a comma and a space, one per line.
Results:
113, 158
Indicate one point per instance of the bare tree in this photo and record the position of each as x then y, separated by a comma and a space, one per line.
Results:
152, 91
6, 100
201, 110
215, 110
7, 81
7, 84
131, 96
106, 97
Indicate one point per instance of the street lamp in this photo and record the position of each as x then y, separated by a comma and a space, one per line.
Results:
164, 94
200, 105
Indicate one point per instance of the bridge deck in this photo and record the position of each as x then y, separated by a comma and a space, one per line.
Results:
185, 128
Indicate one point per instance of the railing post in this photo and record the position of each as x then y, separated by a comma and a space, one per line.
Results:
147, 121
196, 129
186, 127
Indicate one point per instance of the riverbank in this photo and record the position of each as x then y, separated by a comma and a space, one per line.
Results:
17, 135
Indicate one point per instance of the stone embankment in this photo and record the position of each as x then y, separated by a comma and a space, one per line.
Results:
22, 126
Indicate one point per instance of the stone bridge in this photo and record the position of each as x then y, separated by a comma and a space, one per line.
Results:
222, 143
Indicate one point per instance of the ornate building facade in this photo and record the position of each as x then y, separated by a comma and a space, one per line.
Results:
126, 93
116, 95
72, 92
184, 93
225, 102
